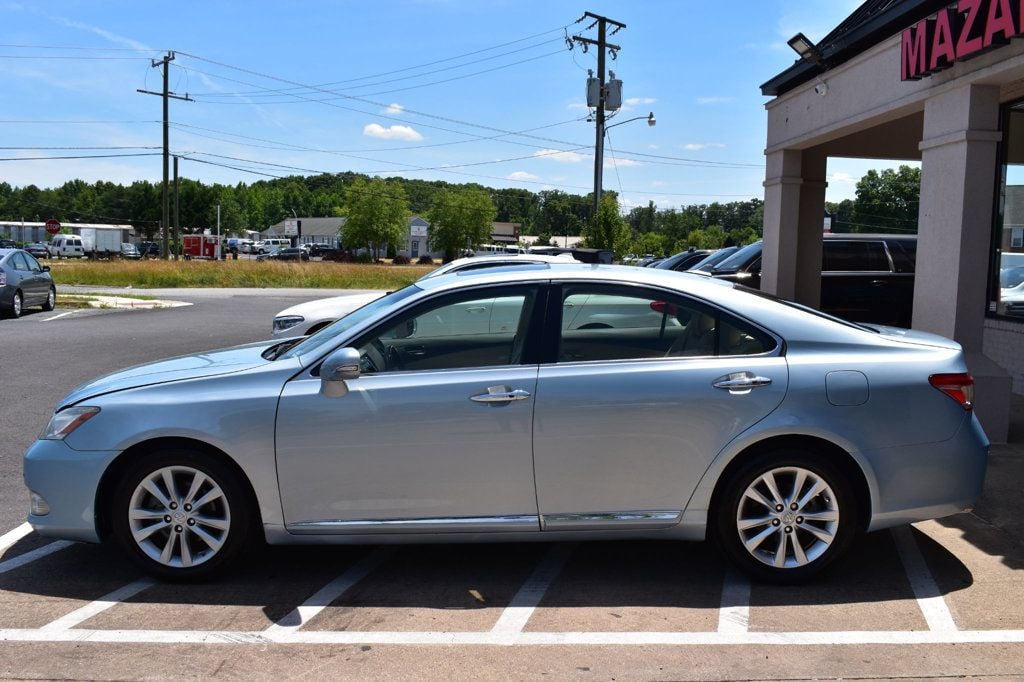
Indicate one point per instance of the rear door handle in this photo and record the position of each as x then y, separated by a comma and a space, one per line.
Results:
741, 382
500, 394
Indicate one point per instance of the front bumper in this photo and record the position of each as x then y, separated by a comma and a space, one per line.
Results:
68, 480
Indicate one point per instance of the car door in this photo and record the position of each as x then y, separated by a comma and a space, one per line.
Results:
434, 436
31, 279
628, 419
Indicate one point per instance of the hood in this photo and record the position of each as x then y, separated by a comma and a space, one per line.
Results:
196, 366
914, 336
331, 308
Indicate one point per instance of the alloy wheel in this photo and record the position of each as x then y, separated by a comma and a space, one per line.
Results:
179, 516
787, 517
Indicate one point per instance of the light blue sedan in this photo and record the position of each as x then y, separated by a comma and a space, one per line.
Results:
465, 408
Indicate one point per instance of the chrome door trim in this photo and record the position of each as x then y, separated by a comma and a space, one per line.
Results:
628, 520
500, 394
477, 524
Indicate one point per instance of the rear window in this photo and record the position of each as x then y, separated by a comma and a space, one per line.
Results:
739, 259
855, 256
904, 254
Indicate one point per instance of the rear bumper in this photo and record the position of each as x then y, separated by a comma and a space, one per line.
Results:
929, 481
67, 479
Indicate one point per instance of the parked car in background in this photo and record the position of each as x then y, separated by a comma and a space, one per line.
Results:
8, 244
291, 253
24, 282
312, 316
864, 277
149, 249
683, 260
67, 246
37, 249
130, 252
1011, 289
268, 245
720, 413
714, 259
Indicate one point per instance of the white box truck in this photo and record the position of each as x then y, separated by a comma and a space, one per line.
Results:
101, 241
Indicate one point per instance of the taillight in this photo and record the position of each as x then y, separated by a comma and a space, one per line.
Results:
959, 387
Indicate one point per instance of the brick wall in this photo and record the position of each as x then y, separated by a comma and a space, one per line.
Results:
1004, 344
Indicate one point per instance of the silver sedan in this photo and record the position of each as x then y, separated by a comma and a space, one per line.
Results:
535, 402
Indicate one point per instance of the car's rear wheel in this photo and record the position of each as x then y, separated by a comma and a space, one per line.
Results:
181, 515
16, 304
785, 515
51, 300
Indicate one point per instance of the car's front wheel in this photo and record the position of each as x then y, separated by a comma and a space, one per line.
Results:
51, 300
785, 515
181, 515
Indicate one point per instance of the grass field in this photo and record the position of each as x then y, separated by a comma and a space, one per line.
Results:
153, 274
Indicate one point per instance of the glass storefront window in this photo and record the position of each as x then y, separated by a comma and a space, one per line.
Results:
1008, 292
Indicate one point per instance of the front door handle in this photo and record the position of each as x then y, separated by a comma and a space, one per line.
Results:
500, 394
741, 382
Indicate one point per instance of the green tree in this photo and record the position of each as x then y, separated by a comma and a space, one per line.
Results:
460, 219
377, 214
609, 231
886, 201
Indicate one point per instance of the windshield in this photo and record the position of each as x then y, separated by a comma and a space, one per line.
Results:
330, 333
714, 259
740, 258
670, 263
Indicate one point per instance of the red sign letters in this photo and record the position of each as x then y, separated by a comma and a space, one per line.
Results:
958, 32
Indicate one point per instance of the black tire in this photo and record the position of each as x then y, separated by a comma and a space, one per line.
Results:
785, 464
17, 306
237, 536
51, 300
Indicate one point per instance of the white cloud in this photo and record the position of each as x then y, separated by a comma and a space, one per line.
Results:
578, 105
560, 156
696, 146
842, 177
395, 132
633, 101
619, 163
521, 175
103, 33
658, 183
393, 109
714, 100
652, 146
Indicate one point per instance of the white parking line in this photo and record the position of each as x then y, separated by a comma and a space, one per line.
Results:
11, 537
515, 616
57, 317
29, 557
734, 614
306, 611
99, 606
929, 598
521, 639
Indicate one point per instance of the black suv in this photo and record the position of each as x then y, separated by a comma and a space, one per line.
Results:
864, 277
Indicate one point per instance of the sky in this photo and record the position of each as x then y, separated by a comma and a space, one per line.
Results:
456, 90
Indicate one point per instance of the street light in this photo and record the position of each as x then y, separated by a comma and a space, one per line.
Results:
805, 48
599, 155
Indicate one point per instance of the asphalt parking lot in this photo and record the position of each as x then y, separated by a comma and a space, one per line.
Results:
941, 599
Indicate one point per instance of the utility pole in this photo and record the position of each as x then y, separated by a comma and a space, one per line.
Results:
602, 45
177, 219
167, 95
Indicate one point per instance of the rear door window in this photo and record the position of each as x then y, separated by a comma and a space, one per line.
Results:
855, 256
904, 254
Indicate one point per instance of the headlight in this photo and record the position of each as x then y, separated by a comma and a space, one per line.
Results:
287, 322
63, 423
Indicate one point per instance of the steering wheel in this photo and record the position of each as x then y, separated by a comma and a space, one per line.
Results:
375, 357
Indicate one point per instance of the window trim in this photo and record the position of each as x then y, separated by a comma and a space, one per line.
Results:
995, 243
530, 344
553, 326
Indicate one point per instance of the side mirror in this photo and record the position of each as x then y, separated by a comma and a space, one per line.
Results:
46, 268
340, 366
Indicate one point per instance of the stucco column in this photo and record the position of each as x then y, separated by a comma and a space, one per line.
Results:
958, 184
794, 209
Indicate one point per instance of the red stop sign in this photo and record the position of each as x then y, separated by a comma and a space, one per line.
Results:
52, 226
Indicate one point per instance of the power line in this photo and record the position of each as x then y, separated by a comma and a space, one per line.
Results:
90, 156
65, 122
72, 148
77, 47
276, 93
419, 66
